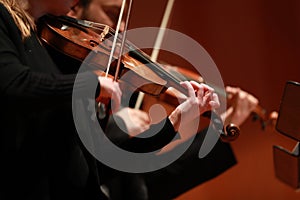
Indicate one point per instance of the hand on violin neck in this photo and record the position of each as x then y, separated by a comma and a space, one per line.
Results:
109, 90
201, 98
241, 105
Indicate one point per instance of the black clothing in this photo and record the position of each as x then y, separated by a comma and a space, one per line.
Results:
185, 173
39, 158
41, 154
141, 144
189, 170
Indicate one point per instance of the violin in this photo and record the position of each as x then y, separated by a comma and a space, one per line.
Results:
67, 36
77, 40
172, 96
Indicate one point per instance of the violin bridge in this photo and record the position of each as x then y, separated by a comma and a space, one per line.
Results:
104, 33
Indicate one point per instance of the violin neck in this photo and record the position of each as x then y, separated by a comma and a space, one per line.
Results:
172, 81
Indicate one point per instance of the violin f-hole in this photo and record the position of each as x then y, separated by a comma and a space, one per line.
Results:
94, 43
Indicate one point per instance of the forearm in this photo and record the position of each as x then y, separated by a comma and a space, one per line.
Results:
155, 138
37, 87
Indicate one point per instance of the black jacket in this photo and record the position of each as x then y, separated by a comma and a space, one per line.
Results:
41, 155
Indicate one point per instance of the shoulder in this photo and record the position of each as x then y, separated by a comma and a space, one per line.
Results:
8, 27
4, 14
6, 20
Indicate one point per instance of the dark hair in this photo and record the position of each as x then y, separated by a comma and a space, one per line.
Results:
84, 3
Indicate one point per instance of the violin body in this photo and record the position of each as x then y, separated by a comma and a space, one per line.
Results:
73, 45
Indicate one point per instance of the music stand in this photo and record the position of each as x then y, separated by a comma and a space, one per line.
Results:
286, 163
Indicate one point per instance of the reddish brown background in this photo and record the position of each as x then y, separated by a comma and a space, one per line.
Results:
255, 44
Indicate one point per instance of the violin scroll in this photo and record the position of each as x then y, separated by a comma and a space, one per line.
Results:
231, 134
231, 131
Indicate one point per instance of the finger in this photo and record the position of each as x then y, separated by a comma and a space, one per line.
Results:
215, 102
118, 89
252, 101
233, 95
146, 118
207, 87
212, 100
189, 87
209, 93
195, 84
208, 96
232, 90
116, 97
198, 87
215, 98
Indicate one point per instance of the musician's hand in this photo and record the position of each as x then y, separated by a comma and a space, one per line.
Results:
201, 98
136, 121
241, 105
110, 90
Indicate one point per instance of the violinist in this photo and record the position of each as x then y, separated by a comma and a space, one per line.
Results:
169, 182
36, 152
42, 156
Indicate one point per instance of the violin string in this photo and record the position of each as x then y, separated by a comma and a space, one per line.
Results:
157, 45
131, 48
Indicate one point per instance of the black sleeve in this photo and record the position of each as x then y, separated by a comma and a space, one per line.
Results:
27, 83
33, 86
189, 171
156, 137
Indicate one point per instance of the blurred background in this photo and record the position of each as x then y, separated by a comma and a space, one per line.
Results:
255, 45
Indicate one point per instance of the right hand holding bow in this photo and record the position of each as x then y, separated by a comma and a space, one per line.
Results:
110, 89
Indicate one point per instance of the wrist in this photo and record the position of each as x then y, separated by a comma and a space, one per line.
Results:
174, 118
